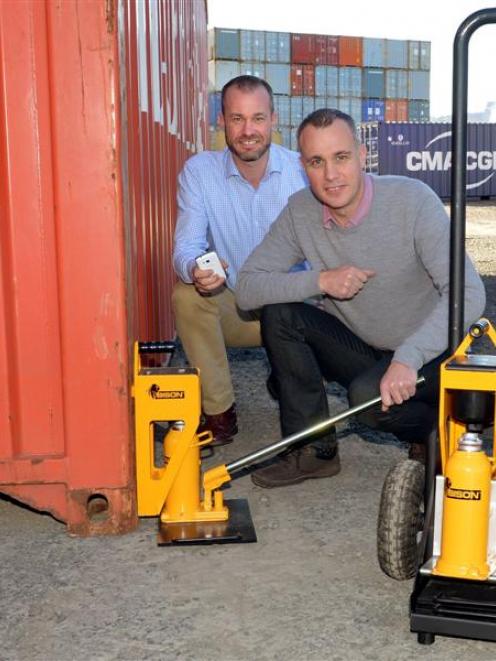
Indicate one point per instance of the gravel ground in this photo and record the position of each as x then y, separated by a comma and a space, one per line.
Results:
309, 590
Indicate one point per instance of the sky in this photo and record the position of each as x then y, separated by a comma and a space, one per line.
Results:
425, 20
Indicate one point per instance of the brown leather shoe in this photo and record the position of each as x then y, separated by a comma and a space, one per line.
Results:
295, 467
222, 425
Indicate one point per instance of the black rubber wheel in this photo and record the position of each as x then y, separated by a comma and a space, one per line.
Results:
401, 519
425, 638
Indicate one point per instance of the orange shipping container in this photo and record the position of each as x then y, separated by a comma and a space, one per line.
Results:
396, 110
350, 51
87, 191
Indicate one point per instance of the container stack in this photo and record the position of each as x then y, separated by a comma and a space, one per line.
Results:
370, 79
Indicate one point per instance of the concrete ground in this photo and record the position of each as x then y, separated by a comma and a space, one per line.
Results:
309, 589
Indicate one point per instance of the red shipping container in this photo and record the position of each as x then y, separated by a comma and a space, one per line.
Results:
332, 50
296, 80
350, 51
302, 48
308, 80
87, 191
320, 49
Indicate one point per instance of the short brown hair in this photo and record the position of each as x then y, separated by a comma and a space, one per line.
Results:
248, 84
324, 117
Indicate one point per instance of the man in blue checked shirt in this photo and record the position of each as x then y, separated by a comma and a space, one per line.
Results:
227, 201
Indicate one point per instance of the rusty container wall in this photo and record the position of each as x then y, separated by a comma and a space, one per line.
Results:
308, 80
83, 267
296, 80
164, 73
64, 420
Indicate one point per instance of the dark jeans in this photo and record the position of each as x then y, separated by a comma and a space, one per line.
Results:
305, 344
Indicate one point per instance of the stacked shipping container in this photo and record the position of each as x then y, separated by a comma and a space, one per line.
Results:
370, 79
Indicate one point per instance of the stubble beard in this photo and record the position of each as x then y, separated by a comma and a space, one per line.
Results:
249, 157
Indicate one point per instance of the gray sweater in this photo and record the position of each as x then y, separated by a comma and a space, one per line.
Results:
404, 238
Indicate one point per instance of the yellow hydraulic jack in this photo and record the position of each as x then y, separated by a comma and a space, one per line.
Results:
455, 589
172, 395
172, 491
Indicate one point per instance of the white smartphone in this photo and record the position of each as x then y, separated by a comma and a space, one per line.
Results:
210, 260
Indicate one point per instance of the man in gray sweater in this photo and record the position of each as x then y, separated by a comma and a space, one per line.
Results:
379, 254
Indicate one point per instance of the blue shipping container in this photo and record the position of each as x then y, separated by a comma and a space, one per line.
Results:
282, 108
296, 106
373, 84
374, 52
350, 81
396, 54
277, 47
423, 151
396, 84
278, 77
214, 108
372, 110
321, 80
418, 85
223, 44
252, 69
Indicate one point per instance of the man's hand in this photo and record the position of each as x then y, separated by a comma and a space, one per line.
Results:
206, 281
398, 384
344, 282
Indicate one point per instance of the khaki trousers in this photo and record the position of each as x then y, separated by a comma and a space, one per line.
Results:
207, 325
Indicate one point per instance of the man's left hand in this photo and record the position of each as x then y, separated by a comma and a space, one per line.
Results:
398, 384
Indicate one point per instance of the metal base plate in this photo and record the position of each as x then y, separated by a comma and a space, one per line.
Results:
237, 529
453, 607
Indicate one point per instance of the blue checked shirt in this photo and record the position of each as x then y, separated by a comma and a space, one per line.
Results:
219, 210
